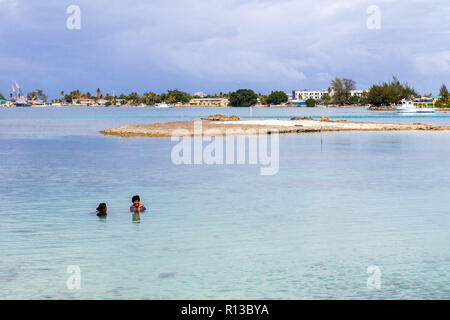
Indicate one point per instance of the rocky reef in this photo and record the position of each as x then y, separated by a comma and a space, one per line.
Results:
221, 117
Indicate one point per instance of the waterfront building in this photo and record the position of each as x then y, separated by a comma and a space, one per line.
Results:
303, 95
214, 102
84, 101
358, 93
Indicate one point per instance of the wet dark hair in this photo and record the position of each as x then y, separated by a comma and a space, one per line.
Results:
135, 198
101, 207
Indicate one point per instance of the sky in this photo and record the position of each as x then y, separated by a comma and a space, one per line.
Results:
222, 45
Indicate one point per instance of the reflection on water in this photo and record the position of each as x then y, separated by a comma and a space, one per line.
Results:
223, 232
136, 217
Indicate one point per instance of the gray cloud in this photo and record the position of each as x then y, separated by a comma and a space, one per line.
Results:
220, 45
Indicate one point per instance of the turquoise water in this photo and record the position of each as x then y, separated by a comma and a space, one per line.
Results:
358, 199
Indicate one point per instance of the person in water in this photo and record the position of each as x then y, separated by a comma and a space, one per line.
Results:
101, 210
137, 205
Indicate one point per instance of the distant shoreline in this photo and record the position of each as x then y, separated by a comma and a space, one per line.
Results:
192, 106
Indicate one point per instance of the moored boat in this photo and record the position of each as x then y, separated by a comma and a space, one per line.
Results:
21, 101
408, 107
163, 105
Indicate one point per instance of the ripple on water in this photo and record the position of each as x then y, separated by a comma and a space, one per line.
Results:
166, 275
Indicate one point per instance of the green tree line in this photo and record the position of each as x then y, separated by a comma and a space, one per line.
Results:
444, 100
339, 93
148, 98
393, 92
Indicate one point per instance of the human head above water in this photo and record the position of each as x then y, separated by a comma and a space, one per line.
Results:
101, 207
136, 199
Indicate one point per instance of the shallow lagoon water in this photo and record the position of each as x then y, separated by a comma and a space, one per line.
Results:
358, 199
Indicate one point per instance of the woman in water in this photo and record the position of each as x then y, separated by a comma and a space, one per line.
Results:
101, 210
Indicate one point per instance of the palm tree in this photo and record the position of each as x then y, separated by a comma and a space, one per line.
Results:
76, 94
338, 88
99, 93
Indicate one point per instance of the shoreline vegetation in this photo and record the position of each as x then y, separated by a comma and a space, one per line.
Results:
198, 106
220, 125
340, 93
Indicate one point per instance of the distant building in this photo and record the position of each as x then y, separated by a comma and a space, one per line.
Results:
199, 94
84, 101
427, 99
358, 93
120, 102
290, 96
303, 95
101, 102
215, 102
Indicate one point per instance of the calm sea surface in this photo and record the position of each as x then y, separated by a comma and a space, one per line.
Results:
359, 199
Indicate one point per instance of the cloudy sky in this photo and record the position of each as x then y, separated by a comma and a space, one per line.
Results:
222, 45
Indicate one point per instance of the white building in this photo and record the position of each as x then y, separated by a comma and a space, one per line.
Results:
83, 101
215, 102
303, 95
199, 94
358, 93
101, 102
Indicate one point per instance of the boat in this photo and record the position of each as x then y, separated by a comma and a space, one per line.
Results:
408, 107
20, 99
163, 105
21, 102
